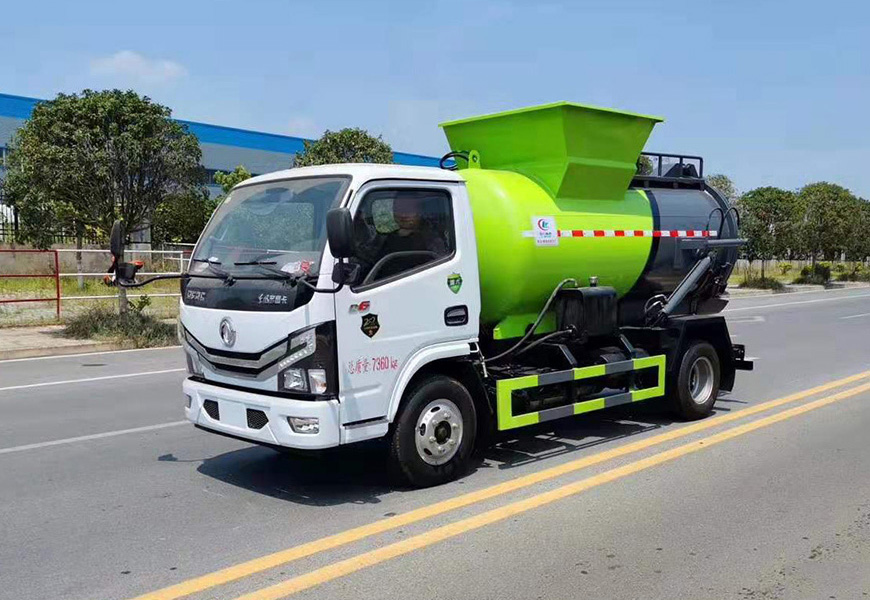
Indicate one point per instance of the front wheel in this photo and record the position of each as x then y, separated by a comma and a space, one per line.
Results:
434, 434
695, 386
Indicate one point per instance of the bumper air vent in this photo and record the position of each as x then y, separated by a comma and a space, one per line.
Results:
211, 407
257, 419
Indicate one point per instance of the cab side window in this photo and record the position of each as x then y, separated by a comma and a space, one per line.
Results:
401, 230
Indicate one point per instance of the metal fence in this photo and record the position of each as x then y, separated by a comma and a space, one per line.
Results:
10, 234
55, 275
176, 260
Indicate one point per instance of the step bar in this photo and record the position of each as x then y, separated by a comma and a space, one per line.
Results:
506, 387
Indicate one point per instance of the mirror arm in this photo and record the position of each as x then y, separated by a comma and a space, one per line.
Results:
136, 284
341, 262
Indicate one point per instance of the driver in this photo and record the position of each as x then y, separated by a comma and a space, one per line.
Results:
413, 234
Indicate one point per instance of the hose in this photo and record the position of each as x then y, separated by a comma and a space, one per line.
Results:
537, 322
449, 155
541, 340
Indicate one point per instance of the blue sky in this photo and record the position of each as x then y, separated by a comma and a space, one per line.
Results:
770, 93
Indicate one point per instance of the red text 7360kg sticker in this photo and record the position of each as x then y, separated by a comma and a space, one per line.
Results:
375, 363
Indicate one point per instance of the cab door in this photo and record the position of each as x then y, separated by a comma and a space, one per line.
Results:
417, 287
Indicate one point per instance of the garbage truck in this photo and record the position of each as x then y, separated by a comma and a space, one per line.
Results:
547, 270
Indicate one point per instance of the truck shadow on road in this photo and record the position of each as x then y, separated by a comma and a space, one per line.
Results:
358, 474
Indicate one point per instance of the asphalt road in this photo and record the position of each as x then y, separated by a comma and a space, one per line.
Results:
106, 493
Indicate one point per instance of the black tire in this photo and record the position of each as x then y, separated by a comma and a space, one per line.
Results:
406, 461
703, 357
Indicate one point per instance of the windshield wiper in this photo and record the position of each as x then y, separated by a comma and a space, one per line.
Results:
214, 268
275, 271
255, 262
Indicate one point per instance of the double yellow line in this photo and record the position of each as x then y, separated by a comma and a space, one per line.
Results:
433, 536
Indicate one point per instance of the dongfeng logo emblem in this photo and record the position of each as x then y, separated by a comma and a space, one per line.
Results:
228, 334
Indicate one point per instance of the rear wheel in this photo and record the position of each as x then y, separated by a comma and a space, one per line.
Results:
695, 386
434, 434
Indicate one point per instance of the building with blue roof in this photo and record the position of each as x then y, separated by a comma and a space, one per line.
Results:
223, 148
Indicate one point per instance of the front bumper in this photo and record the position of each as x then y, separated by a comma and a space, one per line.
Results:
233, 406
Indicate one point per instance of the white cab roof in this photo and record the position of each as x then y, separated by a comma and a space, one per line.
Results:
362, 172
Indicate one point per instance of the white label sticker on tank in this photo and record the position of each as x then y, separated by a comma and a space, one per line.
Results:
545, 230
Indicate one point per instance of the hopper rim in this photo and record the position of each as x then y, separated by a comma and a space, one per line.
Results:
538, 107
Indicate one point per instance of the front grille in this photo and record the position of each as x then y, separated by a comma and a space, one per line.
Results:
244, 363
211, 407
257, 419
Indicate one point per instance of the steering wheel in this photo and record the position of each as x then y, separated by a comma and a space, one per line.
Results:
379, 266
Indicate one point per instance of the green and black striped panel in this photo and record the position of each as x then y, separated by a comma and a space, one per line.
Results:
506, 387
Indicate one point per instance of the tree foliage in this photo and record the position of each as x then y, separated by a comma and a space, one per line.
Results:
769, 217
84, 160
825, 228
228, 181
644, 165
724, 186
350, 145
180, 218
857, 245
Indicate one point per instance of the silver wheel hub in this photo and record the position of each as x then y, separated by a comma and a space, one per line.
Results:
439, 432
701, 380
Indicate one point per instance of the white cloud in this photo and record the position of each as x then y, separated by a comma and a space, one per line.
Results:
131, 67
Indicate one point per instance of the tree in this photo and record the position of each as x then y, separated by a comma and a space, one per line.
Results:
182, 217
644, 165
345, 146
724, 186
827, 211
857, 246
84, 160
769, 217
228, 181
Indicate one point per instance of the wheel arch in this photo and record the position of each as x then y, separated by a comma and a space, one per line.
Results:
457, 366
711, 329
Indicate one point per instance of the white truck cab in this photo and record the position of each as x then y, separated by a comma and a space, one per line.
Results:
274, 362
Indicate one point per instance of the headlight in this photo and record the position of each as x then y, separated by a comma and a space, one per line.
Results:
301, 346
293, 380
311, 365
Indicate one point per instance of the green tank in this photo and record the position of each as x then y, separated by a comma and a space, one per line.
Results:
540, 181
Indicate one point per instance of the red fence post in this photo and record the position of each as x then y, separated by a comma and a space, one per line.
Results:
57, 282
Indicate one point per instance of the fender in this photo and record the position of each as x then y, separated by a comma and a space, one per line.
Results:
420, 359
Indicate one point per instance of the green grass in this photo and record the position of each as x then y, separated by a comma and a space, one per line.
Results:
133, 327
44, 287
762, 283
43, 313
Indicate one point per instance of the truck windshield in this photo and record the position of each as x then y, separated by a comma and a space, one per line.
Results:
281, 224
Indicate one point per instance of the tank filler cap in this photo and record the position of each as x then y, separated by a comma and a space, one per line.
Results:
593, 281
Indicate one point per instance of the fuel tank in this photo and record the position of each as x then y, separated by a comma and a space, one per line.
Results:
550, 192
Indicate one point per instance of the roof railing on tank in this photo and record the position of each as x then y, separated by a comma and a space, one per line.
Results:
669, 170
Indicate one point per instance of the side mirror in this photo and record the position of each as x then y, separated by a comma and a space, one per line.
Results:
339, 232
116, 241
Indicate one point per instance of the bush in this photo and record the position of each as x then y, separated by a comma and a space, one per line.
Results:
133, 327
762, 283
784, 268
858, 273
818, 274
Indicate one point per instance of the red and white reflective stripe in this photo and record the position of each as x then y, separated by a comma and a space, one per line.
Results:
673, 233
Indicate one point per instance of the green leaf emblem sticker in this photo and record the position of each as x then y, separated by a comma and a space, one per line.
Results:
454, 282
